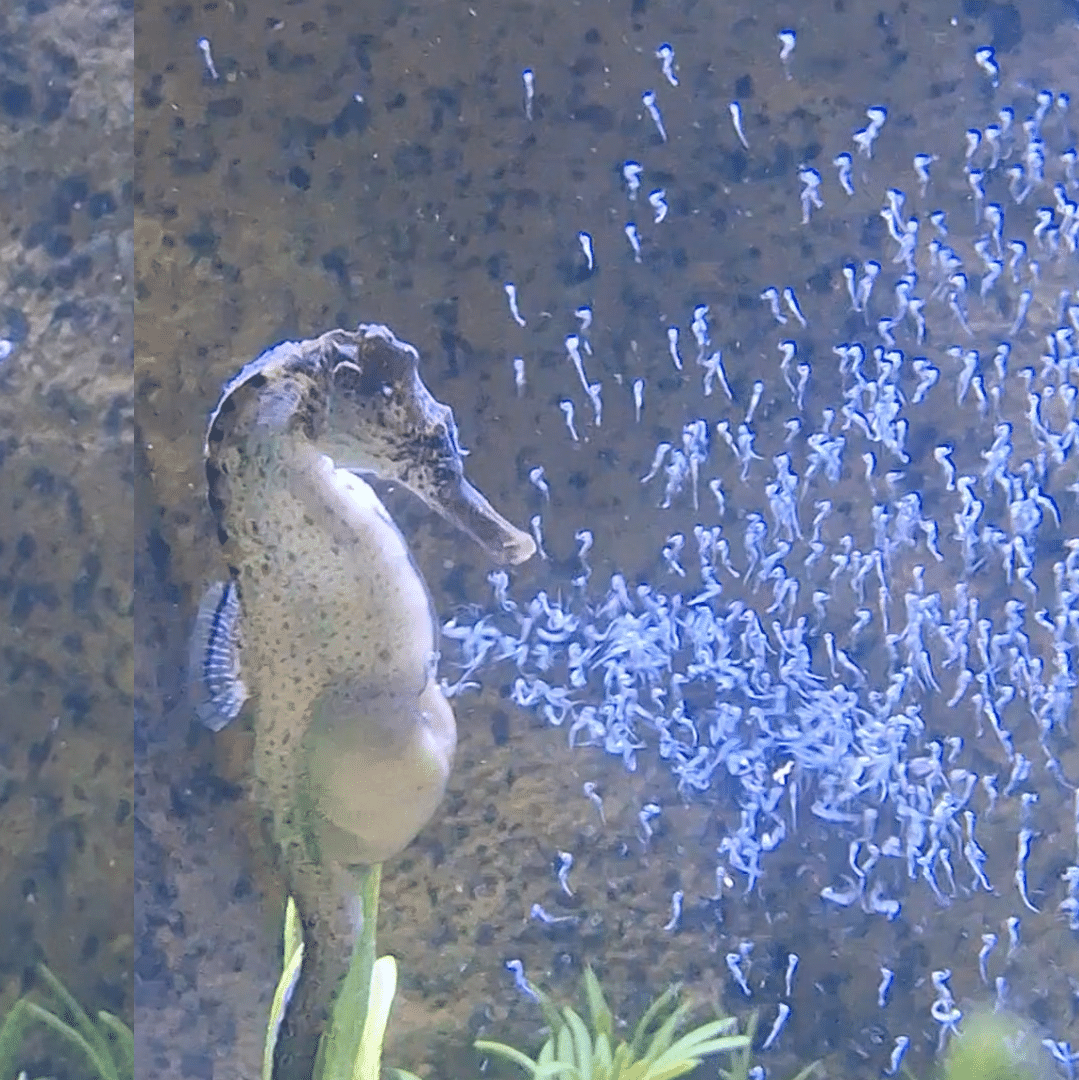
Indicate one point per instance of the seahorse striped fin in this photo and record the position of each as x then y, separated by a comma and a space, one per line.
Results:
216, 689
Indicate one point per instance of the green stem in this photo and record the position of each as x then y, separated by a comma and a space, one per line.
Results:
341, 1046
103, 1064
11, 1033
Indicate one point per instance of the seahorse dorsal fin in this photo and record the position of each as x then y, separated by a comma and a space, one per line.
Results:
215, 686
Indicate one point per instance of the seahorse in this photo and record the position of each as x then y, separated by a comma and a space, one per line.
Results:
326, 625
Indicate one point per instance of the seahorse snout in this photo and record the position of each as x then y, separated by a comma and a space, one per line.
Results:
383, 420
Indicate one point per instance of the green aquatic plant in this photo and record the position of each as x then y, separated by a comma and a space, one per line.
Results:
579, 1051
352, 1047
107, 1046
990, 1048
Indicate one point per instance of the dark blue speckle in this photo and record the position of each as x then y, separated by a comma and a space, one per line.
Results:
35, 234
16, 98
59, 244
70, 192
100, 203
13, 325
57, 99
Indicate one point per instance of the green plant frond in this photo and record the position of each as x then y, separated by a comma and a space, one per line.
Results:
711, 1038
383, 987
560, 1070
602, 1058
546, 1054
726, 1025
620, 1061
598, 1010
508, 1053
550, 1010
663, 1038
646, 1070
582, 1042
679, 1052
402, 1074
665, 1001
123, 1039
71, 1006
741, 1059
556, 1070
13, 1030
89, 1031
753, 1023
574, 1052
101, 1061
293, 936
567, 1052
634, 1070
285, 984
673, 1071
349, 1041
108, 1045
664, 1045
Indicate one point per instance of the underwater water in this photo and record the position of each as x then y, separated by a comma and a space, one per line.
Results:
826, 701
856, 632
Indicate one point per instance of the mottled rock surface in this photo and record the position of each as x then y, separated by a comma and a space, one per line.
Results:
66, 497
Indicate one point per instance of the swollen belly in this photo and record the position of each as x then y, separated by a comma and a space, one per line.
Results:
375, 770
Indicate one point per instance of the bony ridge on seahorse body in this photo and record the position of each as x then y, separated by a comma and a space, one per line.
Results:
354, 739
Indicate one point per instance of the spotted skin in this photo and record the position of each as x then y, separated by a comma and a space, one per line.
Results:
354, 739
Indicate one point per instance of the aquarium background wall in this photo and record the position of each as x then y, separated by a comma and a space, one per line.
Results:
66, 504
318, 165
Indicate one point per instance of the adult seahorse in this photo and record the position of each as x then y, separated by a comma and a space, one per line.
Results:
354, 739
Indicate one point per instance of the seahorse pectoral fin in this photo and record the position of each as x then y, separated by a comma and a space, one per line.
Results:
213, 667
382, 419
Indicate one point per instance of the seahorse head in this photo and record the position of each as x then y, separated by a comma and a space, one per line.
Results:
358, 396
